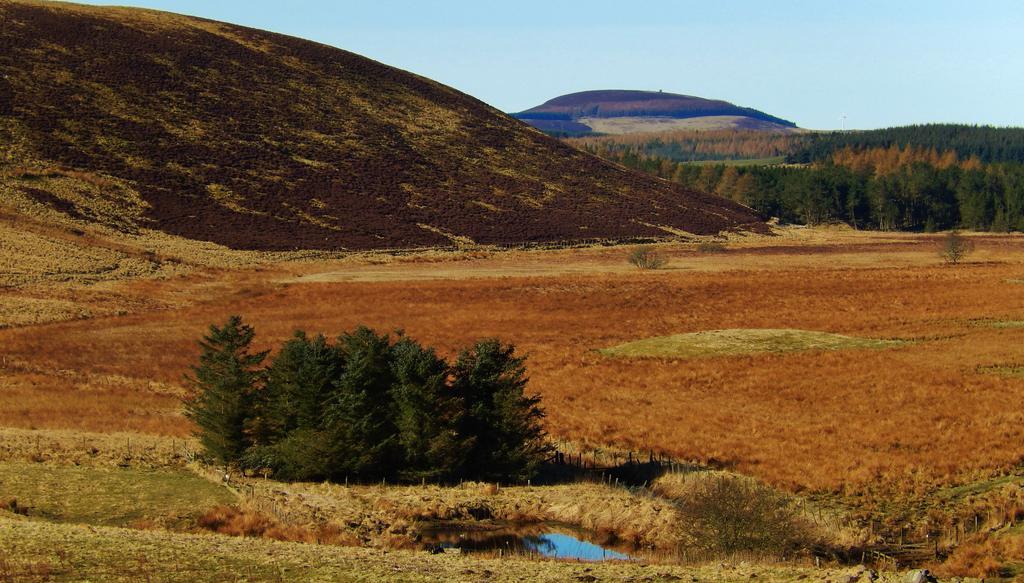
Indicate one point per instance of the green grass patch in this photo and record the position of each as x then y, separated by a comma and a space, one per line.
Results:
977, 488
748, 162
109, 496
1007, 324
741, 341
1010, 371
997, 323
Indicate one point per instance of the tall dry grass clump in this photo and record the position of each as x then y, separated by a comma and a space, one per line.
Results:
247, 522
984, 557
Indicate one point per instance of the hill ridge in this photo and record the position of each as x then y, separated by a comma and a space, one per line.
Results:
257, 140
577, 112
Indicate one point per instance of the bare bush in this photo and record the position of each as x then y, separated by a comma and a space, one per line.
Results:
738, 514
646, 257
955, 248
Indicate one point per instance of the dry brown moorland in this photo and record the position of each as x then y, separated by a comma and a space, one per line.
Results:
936, 409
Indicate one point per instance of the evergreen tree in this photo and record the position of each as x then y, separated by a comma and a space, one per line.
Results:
977, 207
365, 408
510, 442
358, 414
427, 415
289, 435
299, 381
222, 387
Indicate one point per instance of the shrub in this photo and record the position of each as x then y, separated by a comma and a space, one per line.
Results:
245, 522
304, 454
646, 257
735, 513
11, 505
236, 521
984, 556
954, 248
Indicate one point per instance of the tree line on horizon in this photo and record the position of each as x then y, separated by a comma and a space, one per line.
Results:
926, 185
689, 145
986, 143
364, 408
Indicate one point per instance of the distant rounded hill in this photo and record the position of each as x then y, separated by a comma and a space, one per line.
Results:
254, 140
622, 111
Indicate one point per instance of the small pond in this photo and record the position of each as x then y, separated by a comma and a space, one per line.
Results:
547, 540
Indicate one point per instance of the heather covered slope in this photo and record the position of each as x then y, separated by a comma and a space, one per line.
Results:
255, 140
617, 111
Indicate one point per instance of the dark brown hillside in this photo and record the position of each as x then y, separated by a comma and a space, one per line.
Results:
261, 141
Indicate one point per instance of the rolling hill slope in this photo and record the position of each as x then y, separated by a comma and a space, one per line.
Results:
623, 111
139, 120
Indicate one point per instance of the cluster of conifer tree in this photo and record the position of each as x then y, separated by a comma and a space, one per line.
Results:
891, 188
987, 143
365, 407
918, 197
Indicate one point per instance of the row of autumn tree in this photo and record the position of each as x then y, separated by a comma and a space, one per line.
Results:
985, 143
690, 145
365, 407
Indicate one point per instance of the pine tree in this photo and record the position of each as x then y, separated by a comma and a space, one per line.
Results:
288, 434
427, 415
510, 442
221, 389
299, 381
359, 414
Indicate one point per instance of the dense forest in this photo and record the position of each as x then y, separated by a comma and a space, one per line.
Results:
918, 178
918, 197
988, 144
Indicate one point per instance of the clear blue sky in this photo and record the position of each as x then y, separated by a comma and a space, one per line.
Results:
879, 62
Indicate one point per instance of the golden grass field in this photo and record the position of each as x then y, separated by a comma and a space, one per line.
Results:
803, 420
918, 406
